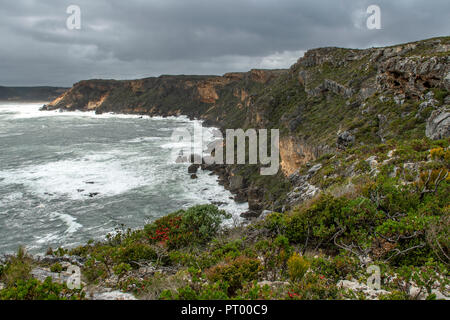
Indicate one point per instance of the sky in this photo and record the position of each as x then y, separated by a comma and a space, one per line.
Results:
129, 39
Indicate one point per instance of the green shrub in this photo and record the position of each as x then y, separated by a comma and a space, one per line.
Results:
17, 268
121, 270
33, 289
276, 223
214, 291
203, 222
350, 219
313, 287
56, 267
297, 267
196, 225
337, 268
274, 254
235, 273
135, 252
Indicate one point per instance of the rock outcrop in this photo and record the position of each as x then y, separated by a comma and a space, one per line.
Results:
438, 125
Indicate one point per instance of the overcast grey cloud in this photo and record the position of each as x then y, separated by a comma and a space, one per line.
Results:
136, 38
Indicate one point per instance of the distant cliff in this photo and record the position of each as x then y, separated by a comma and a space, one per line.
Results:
207, 97
30, 93
332, 99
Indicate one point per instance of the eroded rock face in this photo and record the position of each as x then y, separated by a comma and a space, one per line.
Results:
294, 154
402, 69
236, 182
303, 189
303, 192
438, 125
332, 86
207, 93
412, 75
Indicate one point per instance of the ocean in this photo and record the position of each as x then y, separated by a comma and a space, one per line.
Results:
69, 177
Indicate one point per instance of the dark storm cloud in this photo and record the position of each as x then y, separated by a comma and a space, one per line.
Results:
137, 38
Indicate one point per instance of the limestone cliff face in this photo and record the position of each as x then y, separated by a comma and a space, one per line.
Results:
405, 69
295, 153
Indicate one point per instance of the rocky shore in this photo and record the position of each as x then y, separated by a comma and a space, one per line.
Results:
358, 210
376, 94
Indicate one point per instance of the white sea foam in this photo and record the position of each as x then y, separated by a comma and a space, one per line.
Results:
72, 225
47, 238
205, 189
31, 110
97, 175
142, 139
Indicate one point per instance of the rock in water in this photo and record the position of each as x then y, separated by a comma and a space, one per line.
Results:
193, 168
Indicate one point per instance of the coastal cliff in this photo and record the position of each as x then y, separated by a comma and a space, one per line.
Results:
330, 100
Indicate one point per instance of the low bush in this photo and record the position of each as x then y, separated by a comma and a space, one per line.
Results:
196, 225
297, 267
17, 268
235, 273
33, 289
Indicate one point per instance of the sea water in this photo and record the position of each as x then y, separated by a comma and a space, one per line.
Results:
68, 177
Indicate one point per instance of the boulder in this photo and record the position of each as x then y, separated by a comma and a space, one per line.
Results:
370, 293
438, 125
345, 139
314, 169
264, 214
372, 161
250, 214
303, 190
112, 295
193, 168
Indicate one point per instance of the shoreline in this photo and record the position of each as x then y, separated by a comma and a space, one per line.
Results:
216, 191
222, 171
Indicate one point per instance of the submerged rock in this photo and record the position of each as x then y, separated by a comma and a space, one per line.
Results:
193, 168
